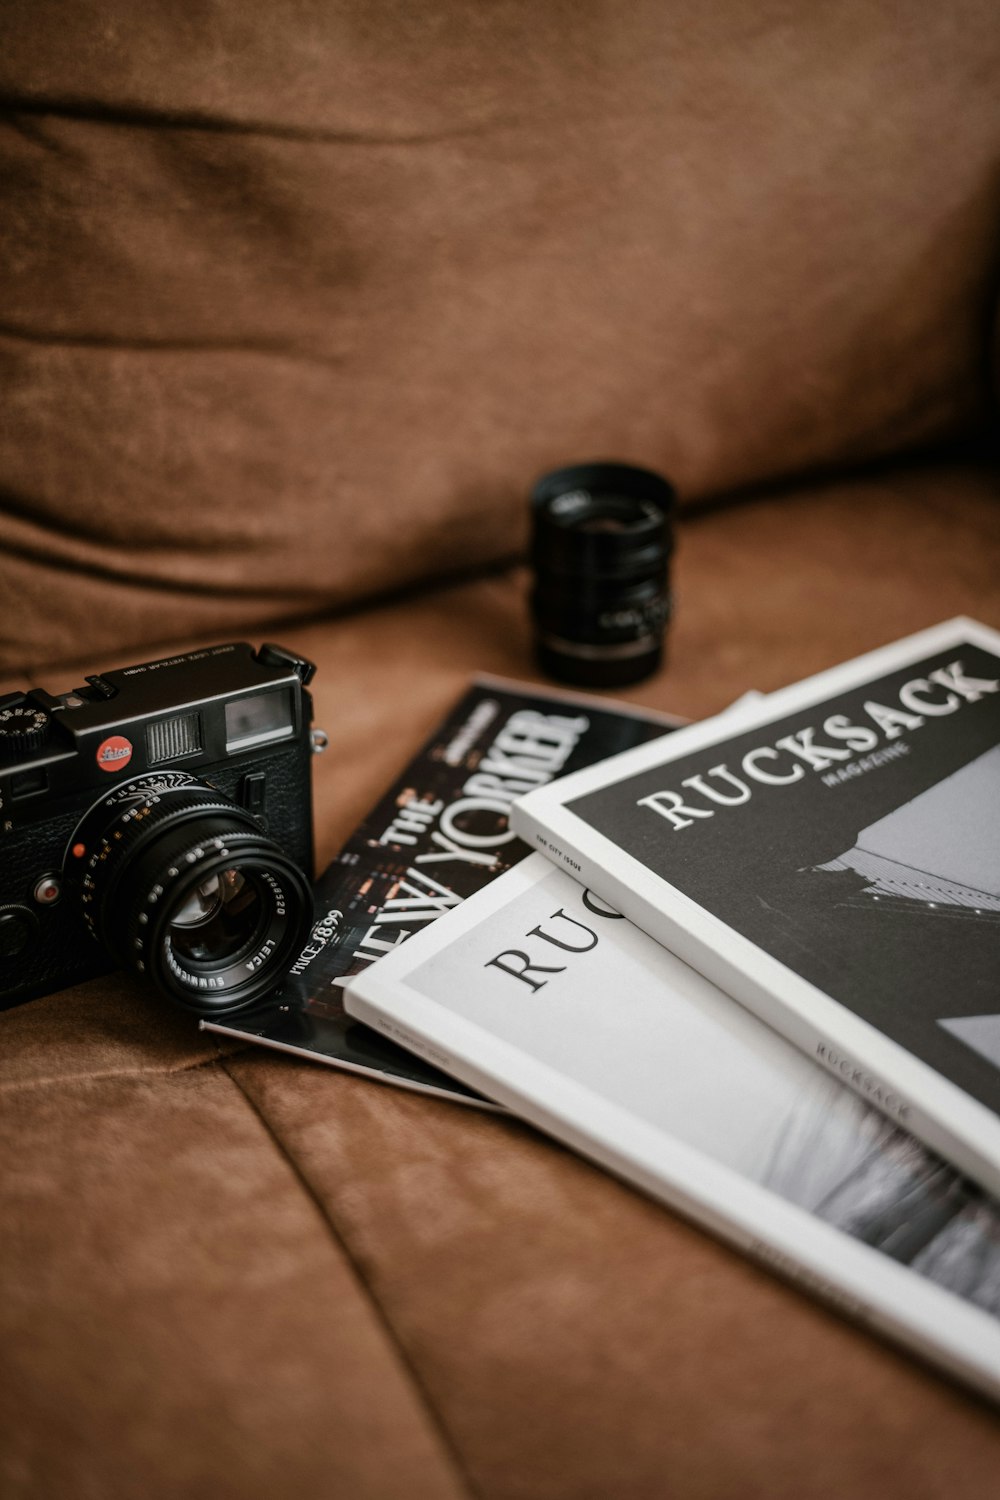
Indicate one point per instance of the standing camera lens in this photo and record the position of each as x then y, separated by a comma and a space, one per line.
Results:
183, 886
601, 547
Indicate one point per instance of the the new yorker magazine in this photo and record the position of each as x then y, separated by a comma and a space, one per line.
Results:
536, 992
438, 833
832, 861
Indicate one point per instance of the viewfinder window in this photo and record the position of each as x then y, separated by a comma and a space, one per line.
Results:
259, 720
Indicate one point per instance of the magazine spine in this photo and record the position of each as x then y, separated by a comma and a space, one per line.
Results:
894, 1097
775, 1251
414, 1085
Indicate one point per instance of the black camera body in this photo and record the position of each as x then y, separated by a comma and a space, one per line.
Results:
159, 819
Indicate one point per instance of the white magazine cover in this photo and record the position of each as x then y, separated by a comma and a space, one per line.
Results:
832, 860
540, 996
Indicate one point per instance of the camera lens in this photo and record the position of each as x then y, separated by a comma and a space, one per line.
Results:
184, 887
601, 546
221, 919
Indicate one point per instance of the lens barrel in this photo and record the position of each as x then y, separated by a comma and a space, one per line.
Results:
602, 540
182, 886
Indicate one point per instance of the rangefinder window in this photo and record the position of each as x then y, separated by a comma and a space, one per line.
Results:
259, 720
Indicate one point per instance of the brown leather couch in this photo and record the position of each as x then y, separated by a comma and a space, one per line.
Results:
297, 301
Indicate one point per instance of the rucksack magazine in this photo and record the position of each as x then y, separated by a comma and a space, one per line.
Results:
832, 861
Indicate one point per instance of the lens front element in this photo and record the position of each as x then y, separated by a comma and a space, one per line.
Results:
220, 919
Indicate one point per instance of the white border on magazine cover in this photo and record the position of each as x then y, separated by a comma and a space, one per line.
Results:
869, 1285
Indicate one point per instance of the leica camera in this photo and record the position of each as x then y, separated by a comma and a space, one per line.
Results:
159, 819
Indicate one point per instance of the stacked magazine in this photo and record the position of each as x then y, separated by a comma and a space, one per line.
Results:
437, 835
826, 861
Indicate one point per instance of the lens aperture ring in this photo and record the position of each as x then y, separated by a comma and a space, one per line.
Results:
619, 651
116, 841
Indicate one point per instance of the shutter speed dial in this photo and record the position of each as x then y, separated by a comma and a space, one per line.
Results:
24, 730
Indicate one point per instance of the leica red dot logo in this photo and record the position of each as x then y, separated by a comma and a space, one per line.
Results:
114, 754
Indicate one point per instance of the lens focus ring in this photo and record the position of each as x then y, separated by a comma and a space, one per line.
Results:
162, 898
